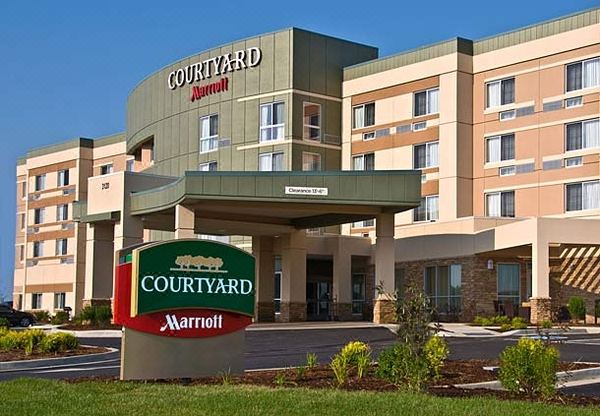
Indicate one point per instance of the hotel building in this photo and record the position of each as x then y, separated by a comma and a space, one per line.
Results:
469, 168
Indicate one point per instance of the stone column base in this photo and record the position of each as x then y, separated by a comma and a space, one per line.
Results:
265, 312
292, 312
541, 310
384, 311
343, 312
96, 302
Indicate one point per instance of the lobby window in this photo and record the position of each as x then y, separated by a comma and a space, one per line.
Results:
428, 210
270, 162
500, 148
584, 74
36, 301
62, 212
583, 135
426, 155
40, 182
426, 102
208, 166
358, 293
38, 215
364, 162
311, 161
59, 300
272, 124
583, 195
443, 286
38, 248
62, 178
363, 115
61, 247
106, 169
277, 286
209, 133
312, 121
508, 282
500, 92
500, 204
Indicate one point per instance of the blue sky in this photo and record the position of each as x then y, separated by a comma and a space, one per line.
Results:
67, 67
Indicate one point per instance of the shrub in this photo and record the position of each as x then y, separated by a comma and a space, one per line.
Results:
41, 316
529, 367
518, 323
311, 360
577, 307
12, 340
58, 342
414, 314
300, 371
280, 380
95, 315
59, 318
362, 365
339, 365
505, 327
400, 365
546, 324
435, 351
4, 323
500, 320
354, 351
482, 321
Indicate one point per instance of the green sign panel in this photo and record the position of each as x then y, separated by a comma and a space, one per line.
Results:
192, 274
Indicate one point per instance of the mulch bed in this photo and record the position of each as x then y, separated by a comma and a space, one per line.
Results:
321, 377
77, 327
36, 355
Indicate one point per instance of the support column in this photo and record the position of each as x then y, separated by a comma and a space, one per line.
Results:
184, 222
541, 304
128, 231
293, 282
262, 249
342, 282
99, 255
384, 309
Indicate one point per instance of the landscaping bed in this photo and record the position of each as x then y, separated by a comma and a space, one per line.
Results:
17, 355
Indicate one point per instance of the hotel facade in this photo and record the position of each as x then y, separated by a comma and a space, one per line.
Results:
468, 168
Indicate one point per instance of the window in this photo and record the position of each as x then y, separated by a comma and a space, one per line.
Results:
583, 135
508, 282
311, 161
399, 279
63, 178
583, 195
507, 171
364, 162
59, 300
425, 155
62, 212
38, 248
428, 210
584, 74
21, 253
209, 133
426, 102
364, 224
369, 136
508, 115
500, 204
312, 121
272, 123
36, 301
277, 286
500, 92
23, 190
363, 115
22, 220
573, 102
208, 167
61, 247
129, 165
443, 286
358, 293
38, 215
571, 162
268, 162
40, 182
106, 169
500, 148
419, 126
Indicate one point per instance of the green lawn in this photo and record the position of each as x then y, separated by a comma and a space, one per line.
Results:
42, 397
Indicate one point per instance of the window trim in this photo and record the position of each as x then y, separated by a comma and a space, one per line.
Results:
58, 182
36, 295
209, 138
43, 182
582, 208
363, 155
485, 196
363, 105
105, 165
59, 247
427, 145
40, 249
310, 126
498, 280
271, 154
270, 126
582, 75
581, 122
501, 136
427, 112
500, 81
427, 213
364, 136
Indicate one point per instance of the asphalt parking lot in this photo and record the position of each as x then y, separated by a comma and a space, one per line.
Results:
284, 348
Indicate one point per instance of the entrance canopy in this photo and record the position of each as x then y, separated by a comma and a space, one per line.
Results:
271, 203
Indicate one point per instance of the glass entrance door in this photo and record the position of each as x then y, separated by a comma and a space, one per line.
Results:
318, 300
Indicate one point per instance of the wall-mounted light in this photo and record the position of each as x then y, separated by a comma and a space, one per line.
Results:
490, 264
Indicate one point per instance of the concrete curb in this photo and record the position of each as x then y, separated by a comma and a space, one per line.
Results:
565, 378
6, 366
100, 333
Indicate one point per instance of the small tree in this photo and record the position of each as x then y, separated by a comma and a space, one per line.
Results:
577, 308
